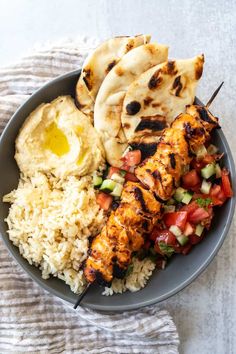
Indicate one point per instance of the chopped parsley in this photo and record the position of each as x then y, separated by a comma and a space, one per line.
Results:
203, 203
167, 250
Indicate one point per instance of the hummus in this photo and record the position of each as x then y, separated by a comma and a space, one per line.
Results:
60, 139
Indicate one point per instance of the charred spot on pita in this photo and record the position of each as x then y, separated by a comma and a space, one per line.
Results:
133, 108
156, 104
129, 46
170, 68
177, 85
153, 123
119, 71
110, 66
87, 78
199, 67
126, 125
147, 101
155, 80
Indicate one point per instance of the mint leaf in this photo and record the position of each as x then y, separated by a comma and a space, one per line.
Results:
167, 250
203, 203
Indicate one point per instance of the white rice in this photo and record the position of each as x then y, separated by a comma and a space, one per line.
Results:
50, 220
136, 280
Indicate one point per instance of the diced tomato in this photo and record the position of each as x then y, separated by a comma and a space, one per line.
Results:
208, 159
177, 218
199, 164
190, 208
154, 234
217, 195
194, 239
125, 167
226, 185
131, 177
207, 222
189, 229
186, 249
113, 170
191, 179
163, 235
104, 200
215, 190
132, 158
198, 215
196, 188
170, 239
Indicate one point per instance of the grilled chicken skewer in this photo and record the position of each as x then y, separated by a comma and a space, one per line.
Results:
140, 208
112, 249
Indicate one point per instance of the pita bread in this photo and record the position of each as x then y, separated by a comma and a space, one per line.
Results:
109, 101
161, 93
98, 64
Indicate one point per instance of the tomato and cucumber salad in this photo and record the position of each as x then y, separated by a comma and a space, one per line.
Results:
187, 215
111, 184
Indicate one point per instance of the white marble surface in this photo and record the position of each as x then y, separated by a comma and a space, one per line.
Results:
205, 312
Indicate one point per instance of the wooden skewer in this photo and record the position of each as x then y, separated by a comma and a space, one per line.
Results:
81, 296
214, 95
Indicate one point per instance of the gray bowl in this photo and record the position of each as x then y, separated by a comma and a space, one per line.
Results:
181, 270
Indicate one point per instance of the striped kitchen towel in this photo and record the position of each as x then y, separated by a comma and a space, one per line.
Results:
33, 321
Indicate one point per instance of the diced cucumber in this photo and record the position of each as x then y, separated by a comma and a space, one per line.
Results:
108, 185
201, 152
218, 171
179, 194
199, 230
205, 187
187, 197
118, 178
97, 181
212, 149
182, 239
169, 208
175, 230
208, 171
171, 201
117, 190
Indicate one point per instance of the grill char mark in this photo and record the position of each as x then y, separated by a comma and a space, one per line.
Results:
205, 116
100, 280
118, 272
177, 85
139, 196
156, 175
153, 125
172, 160
110, 66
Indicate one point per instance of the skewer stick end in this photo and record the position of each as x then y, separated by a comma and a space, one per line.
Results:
215, 93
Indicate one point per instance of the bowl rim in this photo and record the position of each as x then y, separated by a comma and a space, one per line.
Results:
143, 303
